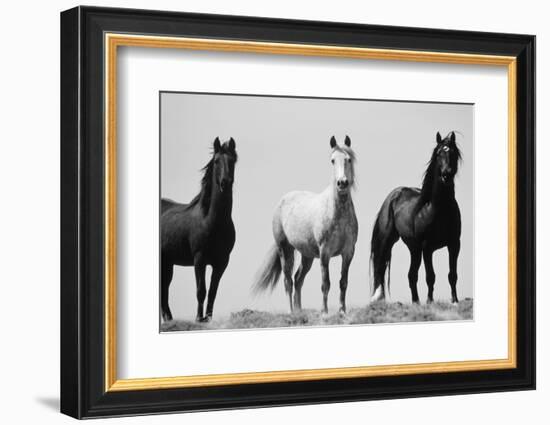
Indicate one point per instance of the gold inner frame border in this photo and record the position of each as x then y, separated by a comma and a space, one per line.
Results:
113, 40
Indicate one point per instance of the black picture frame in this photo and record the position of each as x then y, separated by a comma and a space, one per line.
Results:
83, 392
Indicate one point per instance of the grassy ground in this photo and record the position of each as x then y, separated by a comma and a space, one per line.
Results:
379, 312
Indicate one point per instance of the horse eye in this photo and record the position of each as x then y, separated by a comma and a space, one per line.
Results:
332, 160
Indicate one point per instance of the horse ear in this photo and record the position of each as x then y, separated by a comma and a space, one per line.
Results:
217, 145
333, 142
231, 144
347, 142
453, 138
438, 138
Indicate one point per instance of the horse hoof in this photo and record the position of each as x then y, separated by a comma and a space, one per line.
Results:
378, 295
342, 313
207, 319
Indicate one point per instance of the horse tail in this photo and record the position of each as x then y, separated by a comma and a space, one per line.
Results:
384, 235
269, 273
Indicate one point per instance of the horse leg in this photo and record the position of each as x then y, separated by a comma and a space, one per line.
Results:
286, 253
325, 286
454, 249
299, 277
430, 274
200, 269
166, 273
217, 272
416, 259
381, 262
346, 261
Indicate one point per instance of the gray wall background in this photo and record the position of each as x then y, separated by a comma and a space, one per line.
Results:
283, 145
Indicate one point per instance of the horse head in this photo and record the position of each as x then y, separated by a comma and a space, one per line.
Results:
342, 159
446, 156
223, 162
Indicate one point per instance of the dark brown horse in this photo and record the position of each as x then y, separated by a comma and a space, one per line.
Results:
426, 219
200, 233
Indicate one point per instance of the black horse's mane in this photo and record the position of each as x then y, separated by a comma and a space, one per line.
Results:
429, 175
205, 194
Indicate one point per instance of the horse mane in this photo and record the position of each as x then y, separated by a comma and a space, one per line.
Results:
349, 151
429, 174
204, 197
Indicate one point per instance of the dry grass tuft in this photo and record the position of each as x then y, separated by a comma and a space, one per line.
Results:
379, 312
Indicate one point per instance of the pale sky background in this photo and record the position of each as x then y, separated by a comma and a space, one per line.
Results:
283, 145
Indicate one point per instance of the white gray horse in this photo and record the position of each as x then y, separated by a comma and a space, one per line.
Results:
318, 225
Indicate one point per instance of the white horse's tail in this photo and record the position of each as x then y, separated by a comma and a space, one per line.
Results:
269, 273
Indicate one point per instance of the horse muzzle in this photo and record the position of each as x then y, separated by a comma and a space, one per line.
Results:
342, 184
225, 185
446, 178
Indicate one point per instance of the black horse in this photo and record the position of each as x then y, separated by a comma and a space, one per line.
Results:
201, 233
426, 219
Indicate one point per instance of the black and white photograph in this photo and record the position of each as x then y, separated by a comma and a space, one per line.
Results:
283, 211
308, 208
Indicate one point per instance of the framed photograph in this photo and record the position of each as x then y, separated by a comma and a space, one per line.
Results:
261, 212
